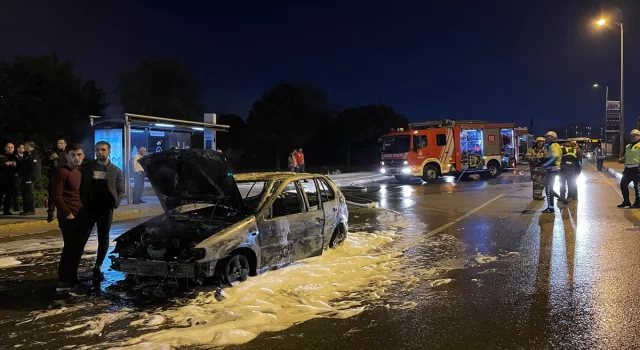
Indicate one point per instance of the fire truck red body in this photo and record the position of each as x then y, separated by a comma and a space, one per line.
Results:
433, 149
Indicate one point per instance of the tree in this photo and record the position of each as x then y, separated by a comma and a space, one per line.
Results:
365, 124
286, 116
236, 136
162, 88
42, 98
233, 142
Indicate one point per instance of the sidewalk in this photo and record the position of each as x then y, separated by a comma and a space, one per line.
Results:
614, 168
16, 225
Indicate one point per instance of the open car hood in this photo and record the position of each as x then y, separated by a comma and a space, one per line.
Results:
187, 176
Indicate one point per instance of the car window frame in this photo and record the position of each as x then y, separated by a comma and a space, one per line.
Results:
267, 212
306, 198
329, 188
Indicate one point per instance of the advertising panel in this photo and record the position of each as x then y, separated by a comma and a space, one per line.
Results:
613, 117
114, 137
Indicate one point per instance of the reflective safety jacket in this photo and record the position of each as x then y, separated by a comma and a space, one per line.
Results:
535, 157
599, 153
553, 156
632, 155
570, 159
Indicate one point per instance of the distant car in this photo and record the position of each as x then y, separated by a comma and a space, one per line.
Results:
210, 232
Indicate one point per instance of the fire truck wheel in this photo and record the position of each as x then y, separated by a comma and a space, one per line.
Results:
402, 178
493, 169
429, 174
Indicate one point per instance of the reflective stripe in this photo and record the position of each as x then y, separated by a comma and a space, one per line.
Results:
554, 151
632, 155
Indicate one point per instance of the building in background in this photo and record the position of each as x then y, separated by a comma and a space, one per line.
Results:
594, 131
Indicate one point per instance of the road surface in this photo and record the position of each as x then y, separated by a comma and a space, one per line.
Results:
450, 265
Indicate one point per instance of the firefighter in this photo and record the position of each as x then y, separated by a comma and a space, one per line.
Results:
553, 158
535, 155
570, 168
631, 173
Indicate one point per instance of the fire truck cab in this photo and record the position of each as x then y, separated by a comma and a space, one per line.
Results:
430, 150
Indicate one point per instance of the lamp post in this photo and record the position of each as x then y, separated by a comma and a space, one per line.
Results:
601, 22
604, 129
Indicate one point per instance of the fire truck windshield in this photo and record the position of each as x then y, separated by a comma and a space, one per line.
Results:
396, 144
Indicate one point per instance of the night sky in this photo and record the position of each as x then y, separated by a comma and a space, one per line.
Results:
488, 60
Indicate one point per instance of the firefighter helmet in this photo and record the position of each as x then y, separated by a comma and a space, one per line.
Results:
540, 138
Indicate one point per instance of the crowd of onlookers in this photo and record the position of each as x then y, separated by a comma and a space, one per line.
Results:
83, 193
20, 168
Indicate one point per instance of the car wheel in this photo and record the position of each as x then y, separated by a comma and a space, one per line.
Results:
402, 178
235, 268
429, 174
493, 169
338, 237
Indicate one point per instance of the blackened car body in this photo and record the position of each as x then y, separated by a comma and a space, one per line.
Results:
217, 227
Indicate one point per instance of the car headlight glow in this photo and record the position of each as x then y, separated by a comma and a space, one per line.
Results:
405, 162
406, 170
381, 163
383, 170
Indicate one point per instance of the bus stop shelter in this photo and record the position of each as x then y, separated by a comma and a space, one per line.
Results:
156, 134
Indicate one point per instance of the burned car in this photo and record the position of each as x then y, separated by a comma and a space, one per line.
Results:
221, 228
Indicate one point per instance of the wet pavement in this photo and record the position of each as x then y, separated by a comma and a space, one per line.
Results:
450, 265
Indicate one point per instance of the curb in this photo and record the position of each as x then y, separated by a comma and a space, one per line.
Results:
39, 226
373, 178
615, 173
33, 227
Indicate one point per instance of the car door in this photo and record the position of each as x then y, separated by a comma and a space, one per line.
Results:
273, 225
285, 226
307, 241
330, 207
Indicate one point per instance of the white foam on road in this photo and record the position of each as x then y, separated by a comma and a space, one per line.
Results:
484, 259
9, 262
392, 219
338, 284
440, 282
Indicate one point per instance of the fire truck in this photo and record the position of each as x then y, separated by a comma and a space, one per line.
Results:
433, 149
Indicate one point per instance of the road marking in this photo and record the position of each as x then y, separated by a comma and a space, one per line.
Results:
471, 212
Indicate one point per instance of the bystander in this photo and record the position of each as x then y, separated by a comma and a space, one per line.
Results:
138, 176
101, 191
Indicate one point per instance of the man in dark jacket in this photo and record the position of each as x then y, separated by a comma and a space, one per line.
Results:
54, 161
101, 191
30, 169
8, 175
66, 193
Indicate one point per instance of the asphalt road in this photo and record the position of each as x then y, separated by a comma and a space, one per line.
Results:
456, 265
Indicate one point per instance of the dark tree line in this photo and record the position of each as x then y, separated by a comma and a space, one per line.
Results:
42, 97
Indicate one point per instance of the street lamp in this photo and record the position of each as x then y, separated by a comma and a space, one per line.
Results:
606, 98
601, 22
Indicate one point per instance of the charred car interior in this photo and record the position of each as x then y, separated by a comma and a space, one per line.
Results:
220, 228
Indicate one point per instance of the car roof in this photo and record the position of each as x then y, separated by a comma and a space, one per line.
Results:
274, 176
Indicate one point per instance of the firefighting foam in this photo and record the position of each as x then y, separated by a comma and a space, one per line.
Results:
338, 284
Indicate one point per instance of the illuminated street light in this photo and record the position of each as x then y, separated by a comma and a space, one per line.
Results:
596, 85
601, 22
